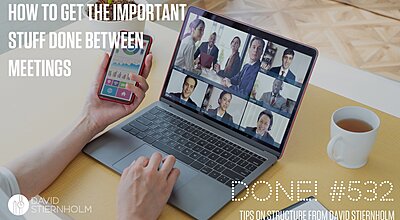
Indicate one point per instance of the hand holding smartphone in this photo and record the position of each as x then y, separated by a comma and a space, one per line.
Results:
122, 63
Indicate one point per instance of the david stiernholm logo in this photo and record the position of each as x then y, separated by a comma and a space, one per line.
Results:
18, 204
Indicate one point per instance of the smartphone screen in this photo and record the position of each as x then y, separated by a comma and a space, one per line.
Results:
121, 64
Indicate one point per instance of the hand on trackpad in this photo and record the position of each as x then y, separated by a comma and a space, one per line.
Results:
186, 173
144, 189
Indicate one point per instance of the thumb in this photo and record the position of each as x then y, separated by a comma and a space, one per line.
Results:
147, 65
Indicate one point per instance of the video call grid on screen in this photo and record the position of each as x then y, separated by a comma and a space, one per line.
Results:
270, 93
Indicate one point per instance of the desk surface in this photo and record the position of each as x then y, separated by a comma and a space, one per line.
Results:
28, 122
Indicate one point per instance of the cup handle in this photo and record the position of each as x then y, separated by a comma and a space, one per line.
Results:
331, 148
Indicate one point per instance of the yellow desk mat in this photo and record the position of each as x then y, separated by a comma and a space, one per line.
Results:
86, 182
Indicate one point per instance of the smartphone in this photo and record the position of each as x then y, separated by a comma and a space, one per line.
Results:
122, 62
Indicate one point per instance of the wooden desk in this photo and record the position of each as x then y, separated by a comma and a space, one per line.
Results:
86, 182
27, 121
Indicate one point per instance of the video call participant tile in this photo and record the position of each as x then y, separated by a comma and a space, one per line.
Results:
285, 63
186, 89
263, 124
274, 94
223, 106
206, 43
243, 82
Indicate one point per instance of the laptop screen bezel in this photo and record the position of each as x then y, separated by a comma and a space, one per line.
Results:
302, 48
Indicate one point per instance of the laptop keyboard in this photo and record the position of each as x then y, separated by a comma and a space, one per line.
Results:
209, 153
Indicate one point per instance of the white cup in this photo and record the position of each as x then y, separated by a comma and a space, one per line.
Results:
351, 149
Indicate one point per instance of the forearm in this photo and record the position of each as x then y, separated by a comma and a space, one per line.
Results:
38, 168
235, 80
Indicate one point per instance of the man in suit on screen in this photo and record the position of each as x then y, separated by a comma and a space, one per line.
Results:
243, 82
189, 84
208, 48
274, 98
283, 71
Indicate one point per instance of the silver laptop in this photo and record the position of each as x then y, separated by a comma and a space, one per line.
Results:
224, 124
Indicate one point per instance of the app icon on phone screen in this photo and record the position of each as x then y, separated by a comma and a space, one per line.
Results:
123, 62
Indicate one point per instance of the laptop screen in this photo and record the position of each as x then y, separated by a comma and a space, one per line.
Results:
245, 79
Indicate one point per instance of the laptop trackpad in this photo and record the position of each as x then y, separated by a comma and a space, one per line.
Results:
146, 150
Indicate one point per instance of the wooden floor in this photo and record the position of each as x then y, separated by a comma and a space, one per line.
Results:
387, 8
364, 34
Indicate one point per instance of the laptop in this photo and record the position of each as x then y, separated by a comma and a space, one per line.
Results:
219, 132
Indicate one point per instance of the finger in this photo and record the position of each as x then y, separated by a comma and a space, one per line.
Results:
172, 178
155, 161
139, 96
102, 69
138, 92
141, 161
167, 166
126, 171
141, 80
148, 62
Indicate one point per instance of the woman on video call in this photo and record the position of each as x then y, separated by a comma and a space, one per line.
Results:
232, 66
186, 51
220, 113
264, 125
